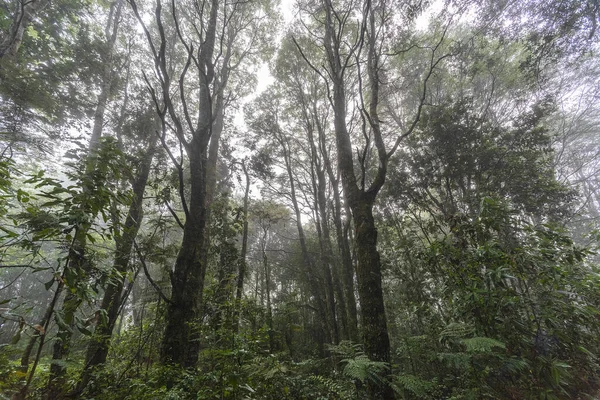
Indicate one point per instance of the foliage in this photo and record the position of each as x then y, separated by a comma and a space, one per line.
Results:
461, 142
524, 307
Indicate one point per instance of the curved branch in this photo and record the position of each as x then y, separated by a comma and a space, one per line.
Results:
147, 273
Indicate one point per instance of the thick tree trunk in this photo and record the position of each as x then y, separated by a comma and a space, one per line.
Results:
376, 340
375, 335
181, 341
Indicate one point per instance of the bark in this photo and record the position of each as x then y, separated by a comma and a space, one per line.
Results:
360, 201
24, 14
242, 262
181, 341
377, 344
112, 300
347, 266
22, 393
78, 264
319, 187
312, 276
267, 270
62, 345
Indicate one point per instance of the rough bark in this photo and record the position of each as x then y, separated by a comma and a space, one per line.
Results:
181, 344
361, 200
181, 339
97, 351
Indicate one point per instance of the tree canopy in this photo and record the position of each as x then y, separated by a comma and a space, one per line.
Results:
333, 199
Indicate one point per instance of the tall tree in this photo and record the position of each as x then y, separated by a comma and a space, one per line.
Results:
78, 262
114, 295
189, 93
355, 52
196, 36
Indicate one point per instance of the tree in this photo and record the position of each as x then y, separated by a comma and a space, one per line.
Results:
23, 14
78, 263
205, 36
354, 51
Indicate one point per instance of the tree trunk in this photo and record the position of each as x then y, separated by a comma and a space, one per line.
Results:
242, 261
376, 340
347, 267
361, 201
267, 270
23, 16
181, 341
111, 302
319, 185
312, 277
77, 261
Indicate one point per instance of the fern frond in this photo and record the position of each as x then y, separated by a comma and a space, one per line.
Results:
482, 344
416, 385
363, 369
456, 330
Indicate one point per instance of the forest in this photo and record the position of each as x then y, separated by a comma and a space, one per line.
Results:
299, 199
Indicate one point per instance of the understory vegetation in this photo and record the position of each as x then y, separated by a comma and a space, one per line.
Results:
300, 200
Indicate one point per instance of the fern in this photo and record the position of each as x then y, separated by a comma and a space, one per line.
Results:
482, 344
333, 387
456, 330
345, 349
363, 369
414, 384
460, 361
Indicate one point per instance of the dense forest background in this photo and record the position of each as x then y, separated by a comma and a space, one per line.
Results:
353, 199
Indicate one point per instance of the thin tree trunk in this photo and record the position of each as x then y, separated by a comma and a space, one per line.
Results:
319, 185
78, 263
347, 266
111, 302
267, 270
22, 393
24, 14
312, 276
242, 262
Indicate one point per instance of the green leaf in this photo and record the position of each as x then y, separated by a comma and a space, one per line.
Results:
418, 386
482, 344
